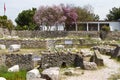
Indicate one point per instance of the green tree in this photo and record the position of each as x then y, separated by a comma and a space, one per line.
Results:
25, 20
86, 14
6, 23
114, 14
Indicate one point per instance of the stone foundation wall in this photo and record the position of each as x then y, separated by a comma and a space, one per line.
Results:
24, 43
24, 61
61, 60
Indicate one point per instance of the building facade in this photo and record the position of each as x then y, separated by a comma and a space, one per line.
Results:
86, 26
97, 25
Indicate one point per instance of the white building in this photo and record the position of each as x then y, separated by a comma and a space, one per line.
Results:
52, 28
88, 26
96, 25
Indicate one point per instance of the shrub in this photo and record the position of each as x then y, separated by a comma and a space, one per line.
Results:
104, 31
105, 28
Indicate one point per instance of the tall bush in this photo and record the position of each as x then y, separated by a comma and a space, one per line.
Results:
104, 31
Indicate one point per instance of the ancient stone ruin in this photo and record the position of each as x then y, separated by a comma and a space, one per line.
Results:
61, 60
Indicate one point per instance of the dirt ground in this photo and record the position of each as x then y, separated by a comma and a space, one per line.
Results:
111, 67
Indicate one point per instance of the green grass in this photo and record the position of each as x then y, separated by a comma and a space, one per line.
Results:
21, 75
22, 51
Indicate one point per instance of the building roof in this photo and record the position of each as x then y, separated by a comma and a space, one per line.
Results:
97, 21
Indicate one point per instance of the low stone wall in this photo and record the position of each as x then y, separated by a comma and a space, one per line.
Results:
52, 34
48, 34
24, 43
24, 61
112, 35
61, 60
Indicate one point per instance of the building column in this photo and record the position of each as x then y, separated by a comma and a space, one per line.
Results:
87, 27
64, 26
76, 26
98, 26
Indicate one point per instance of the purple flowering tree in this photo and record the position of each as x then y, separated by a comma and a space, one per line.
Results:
49, 16
71, 14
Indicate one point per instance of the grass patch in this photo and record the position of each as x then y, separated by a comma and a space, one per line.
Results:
22, 51
21, 75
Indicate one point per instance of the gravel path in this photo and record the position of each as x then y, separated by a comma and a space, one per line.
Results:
111, 67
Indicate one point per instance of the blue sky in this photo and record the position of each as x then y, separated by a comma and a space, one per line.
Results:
14, 7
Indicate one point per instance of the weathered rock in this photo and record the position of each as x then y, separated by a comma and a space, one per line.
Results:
52, 73
2, 78
15, 37
90, 65
41, 79
86, 52
104, 49
2, 46
59, 46
78, 61
33, 75
97, 58
14, 47
116, 52
14, 68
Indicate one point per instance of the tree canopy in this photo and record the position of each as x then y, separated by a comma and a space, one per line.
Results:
114, 14
6, 23
25, 20
86, 14
49, 16
53, 16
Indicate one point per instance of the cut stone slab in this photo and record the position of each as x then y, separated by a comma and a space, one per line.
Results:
97, 58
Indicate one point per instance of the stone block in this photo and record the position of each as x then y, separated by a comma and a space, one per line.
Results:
2, 46
33, 75
14, 47
52, 73
90, 65
14, 68
2, 78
